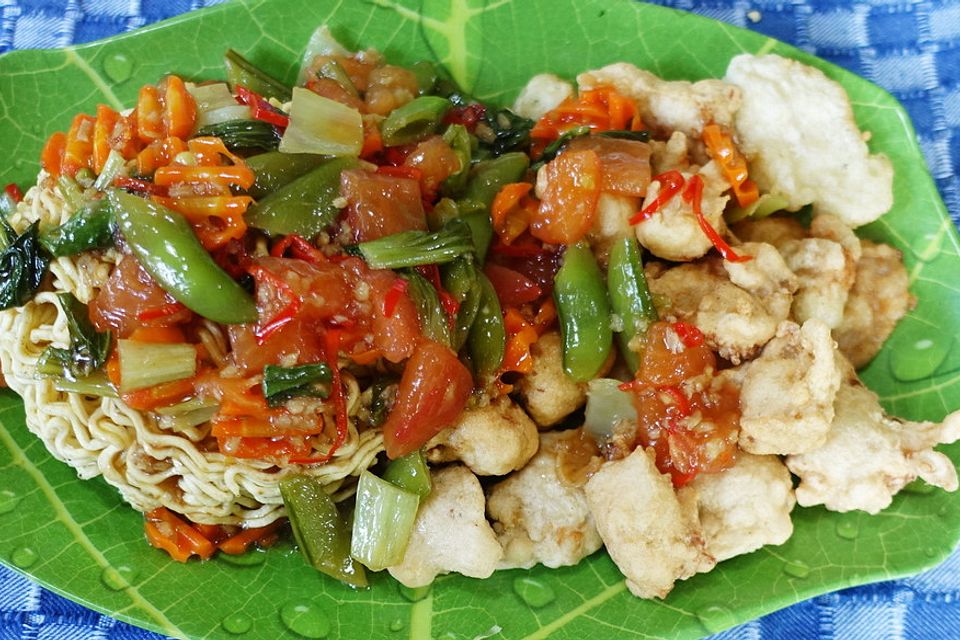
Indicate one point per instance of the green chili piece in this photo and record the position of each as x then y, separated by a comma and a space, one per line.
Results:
167, 247
426, 73
487, 339
433, 319
630, 298
275, 169
243, 73
305, 206
410, 473
90, 227
321, 532
460, 280
481, 230
489, 176
584, 313
333, 70
413, 121
458, 138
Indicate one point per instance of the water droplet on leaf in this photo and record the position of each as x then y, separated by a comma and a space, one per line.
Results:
237, 623
916, 353
414, 595
942, 511
397, 625
119, 577
930, 552
797, 569
848, 529
306, 619
24, 557
8, 501
716, 618
118, 67
533, 592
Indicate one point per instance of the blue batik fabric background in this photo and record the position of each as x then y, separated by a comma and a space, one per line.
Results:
912, 49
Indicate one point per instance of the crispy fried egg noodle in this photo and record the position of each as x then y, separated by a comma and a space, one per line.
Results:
151, 466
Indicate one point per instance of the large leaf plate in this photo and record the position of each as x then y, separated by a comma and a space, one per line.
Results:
78, 539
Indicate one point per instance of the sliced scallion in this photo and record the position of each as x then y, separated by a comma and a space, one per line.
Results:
382, 522
147, 364
323, 126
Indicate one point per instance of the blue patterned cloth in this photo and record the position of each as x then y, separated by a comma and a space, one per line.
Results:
911, 48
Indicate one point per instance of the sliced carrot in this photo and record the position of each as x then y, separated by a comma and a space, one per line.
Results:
161, 395
149, 114
179, 108
102, 131
240, 542
257, 427
78, 152
113, 368
722, 149
504, 210
198, 208
240, 176
159, 153
165, 530
51, 158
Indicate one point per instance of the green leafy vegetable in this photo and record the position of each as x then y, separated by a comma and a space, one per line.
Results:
503, 131
88, 348
282, 383
90, 227
433, 319
415, 248
23, 264
244, 134
243, 73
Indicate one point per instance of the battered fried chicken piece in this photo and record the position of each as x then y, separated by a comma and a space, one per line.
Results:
451, 532
542, 93
877, 301
611, 224
825, 274
538, 517
666, 105
869, 456
491, 440
787, 398
746, 506
797, 129
673, 231
775, 230
652, 535
737, 306
547, 393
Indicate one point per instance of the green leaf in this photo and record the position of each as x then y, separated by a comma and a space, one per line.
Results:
88, 544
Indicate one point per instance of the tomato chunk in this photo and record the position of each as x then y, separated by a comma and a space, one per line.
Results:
433, 392
624, 164
131, 299
380, 205
569, 202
